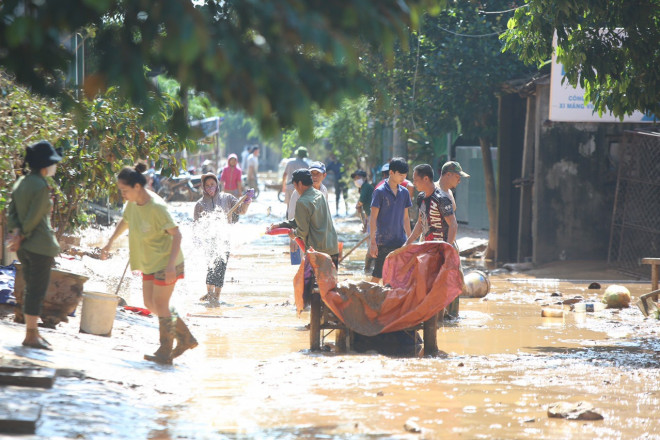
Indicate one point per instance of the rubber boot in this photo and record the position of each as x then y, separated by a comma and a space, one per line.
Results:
184, 339
163, 354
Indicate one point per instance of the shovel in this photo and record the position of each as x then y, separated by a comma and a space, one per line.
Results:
646, 302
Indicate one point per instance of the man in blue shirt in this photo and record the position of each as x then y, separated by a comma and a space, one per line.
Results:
389, 222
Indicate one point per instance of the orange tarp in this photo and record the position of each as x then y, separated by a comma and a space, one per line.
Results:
421, 280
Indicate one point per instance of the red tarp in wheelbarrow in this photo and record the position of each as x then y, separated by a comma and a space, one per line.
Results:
423, 278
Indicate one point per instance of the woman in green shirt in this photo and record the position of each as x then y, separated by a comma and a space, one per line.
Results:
154, 242
32, 236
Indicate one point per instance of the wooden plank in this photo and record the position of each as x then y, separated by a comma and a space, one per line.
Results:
19, 418
27, 377
430, 336
655, 271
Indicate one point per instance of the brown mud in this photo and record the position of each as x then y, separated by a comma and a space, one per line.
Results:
252, 376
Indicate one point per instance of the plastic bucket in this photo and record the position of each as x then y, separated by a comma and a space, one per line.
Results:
477, 285
98, 313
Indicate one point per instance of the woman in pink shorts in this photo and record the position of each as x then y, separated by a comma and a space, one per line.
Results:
155, 249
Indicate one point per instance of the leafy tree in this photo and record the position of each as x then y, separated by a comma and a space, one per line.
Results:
272, 59
349, 134
449, 80
464, 55
24, 119
104, 135
609, 47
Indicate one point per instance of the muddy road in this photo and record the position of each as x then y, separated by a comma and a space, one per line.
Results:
252, 376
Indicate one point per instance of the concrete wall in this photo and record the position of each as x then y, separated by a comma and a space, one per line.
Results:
574, 186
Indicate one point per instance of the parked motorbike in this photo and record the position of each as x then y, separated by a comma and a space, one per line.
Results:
180, 188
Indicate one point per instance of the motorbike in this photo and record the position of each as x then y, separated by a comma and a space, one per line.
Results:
180, 188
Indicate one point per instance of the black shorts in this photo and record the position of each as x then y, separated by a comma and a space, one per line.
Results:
383, 252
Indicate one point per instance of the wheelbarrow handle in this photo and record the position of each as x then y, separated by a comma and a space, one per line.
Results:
285, 231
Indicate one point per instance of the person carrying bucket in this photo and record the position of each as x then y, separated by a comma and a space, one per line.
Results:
32, 236
154, 243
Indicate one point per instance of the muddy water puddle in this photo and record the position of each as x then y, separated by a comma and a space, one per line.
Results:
252, 375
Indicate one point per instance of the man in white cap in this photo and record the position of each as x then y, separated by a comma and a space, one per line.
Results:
299, 162
317, 169
450, 177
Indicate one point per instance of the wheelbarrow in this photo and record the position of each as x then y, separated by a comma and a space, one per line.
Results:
323, 322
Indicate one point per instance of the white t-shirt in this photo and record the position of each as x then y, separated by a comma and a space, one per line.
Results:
252, 165
291, 208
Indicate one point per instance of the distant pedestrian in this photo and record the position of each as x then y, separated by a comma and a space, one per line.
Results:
215, 201
32, 237
244, 155
436, 213
297, 163
337, 168
154, 243
253, 168
390, 222
363, 208
231, 177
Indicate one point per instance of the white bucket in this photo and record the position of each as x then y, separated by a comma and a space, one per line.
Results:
476, 285
98, 313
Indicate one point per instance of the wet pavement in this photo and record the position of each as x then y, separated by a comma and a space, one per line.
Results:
252, 376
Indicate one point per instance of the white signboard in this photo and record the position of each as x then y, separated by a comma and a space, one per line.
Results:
567, 102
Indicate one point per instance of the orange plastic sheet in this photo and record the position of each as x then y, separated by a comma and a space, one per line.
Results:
421, 280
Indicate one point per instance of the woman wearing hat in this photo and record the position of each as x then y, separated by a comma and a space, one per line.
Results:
231, 177
154, 243
32, 237
214, 201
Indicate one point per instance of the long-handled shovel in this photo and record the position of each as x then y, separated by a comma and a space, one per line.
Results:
122, 278
353, 248
238, 203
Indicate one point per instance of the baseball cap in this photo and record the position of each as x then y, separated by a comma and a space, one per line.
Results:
453, 167
320, 166
301, 152
385, 167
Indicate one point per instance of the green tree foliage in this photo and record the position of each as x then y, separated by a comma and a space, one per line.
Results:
349, 134
104, 135
24, 119
609, 47
272, 59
